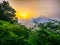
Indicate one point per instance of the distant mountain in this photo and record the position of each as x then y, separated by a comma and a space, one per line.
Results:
30, 23
41, 19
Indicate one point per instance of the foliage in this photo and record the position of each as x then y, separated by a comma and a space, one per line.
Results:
11, 34
7, 13
15, 34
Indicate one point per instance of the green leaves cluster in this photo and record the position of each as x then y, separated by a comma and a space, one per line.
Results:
15, 34
11, 34
7, 13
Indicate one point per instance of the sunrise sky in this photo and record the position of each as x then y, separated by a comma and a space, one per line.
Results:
28, 9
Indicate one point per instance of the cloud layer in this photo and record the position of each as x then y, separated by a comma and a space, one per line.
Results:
48, 8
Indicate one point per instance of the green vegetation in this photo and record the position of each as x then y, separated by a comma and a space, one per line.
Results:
11, 34
14, 34
17, 34
7, 13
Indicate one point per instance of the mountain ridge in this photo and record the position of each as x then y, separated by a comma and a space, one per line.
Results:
30, 23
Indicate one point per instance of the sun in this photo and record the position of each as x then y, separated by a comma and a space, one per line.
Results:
23, 14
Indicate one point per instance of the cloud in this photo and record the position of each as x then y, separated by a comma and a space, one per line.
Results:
48, 8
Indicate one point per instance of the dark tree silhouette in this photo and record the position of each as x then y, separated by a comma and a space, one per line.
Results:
7, 13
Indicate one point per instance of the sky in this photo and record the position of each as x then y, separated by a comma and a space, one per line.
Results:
37, 8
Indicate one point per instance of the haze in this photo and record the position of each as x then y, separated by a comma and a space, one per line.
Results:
47, 8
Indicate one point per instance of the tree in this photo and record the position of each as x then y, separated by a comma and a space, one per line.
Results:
7, 13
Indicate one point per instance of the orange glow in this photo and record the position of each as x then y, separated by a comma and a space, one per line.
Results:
24, 14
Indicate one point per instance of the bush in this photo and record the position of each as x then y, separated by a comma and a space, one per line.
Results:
15, 34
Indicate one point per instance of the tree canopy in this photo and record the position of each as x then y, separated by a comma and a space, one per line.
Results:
7, 13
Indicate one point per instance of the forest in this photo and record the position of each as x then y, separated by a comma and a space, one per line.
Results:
12, 33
